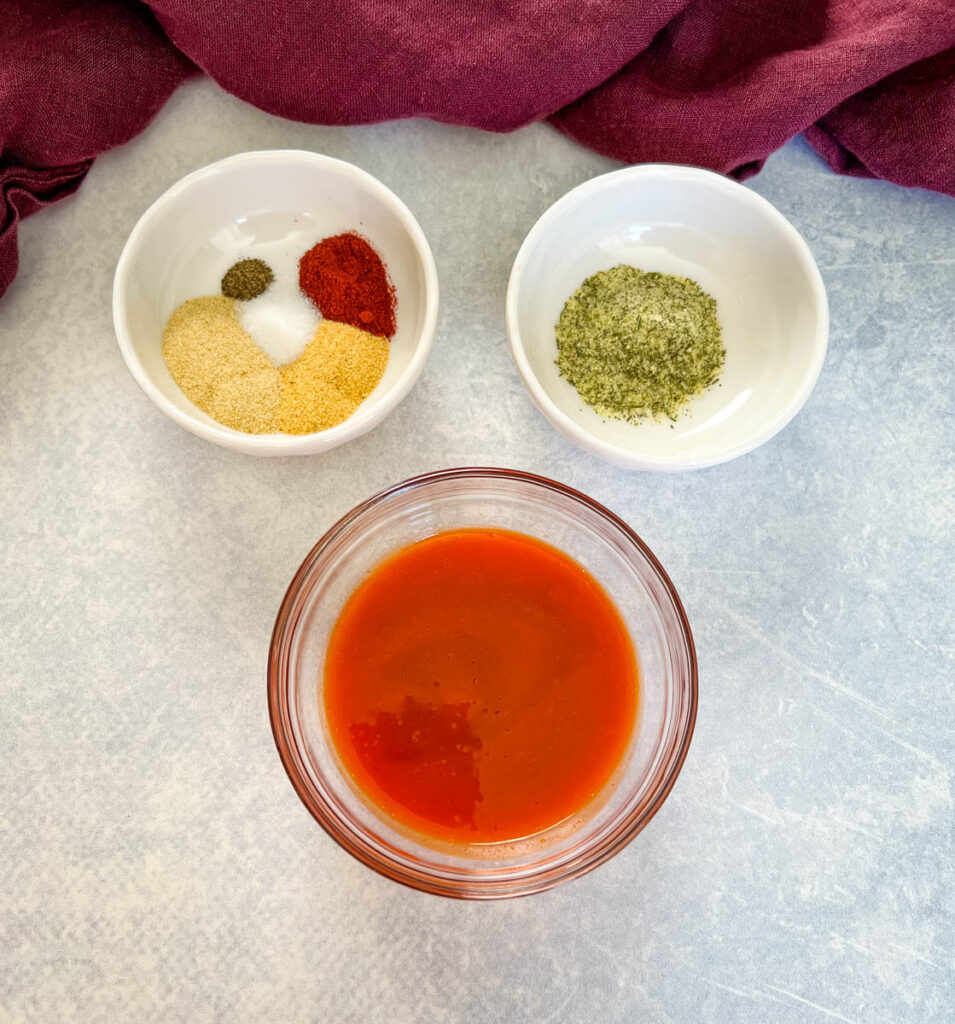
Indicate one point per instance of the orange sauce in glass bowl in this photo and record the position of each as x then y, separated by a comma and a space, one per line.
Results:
480, 686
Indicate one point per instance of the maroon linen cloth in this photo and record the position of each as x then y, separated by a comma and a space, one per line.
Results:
717, 83
75, 79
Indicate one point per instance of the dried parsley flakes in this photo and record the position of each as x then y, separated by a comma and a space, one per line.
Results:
639, 345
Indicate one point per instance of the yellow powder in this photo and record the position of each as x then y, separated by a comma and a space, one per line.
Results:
338, 370
219, 367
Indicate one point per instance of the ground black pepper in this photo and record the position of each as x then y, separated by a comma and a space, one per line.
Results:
247, 279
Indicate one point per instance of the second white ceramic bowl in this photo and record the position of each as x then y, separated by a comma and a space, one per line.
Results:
677, 220
254, 205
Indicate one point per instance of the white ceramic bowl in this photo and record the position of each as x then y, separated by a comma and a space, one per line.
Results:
250, 205
678, 220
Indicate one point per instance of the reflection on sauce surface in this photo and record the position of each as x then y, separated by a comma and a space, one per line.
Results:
480, 686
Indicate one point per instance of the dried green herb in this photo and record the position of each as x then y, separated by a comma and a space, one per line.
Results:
639, 345
247, 279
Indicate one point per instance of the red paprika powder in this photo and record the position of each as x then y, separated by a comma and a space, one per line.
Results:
348, 282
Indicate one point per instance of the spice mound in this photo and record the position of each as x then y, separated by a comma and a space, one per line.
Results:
280, 320
347, 281
246, 279
259, 358
639, 345
219, 367
338, 370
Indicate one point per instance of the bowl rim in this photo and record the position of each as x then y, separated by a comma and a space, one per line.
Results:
364, 419
420, 879
620, 454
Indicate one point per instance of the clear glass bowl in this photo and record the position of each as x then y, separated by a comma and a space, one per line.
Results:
587, 532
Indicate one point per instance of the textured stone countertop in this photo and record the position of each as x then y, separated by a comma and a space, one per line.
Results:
157, 865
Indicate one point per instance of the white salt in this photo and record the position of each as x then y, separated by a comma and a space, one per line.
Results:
282, 320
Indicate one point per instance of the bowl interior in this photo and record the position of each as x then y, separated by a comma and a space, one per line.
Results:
633, 580
274, 206
736, 247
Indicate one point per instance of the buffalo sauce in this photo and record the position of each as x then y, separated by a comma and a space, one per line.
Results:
480, 686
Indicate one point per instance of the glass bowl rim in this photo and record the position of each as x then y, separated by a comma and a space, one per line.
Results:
421, 878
